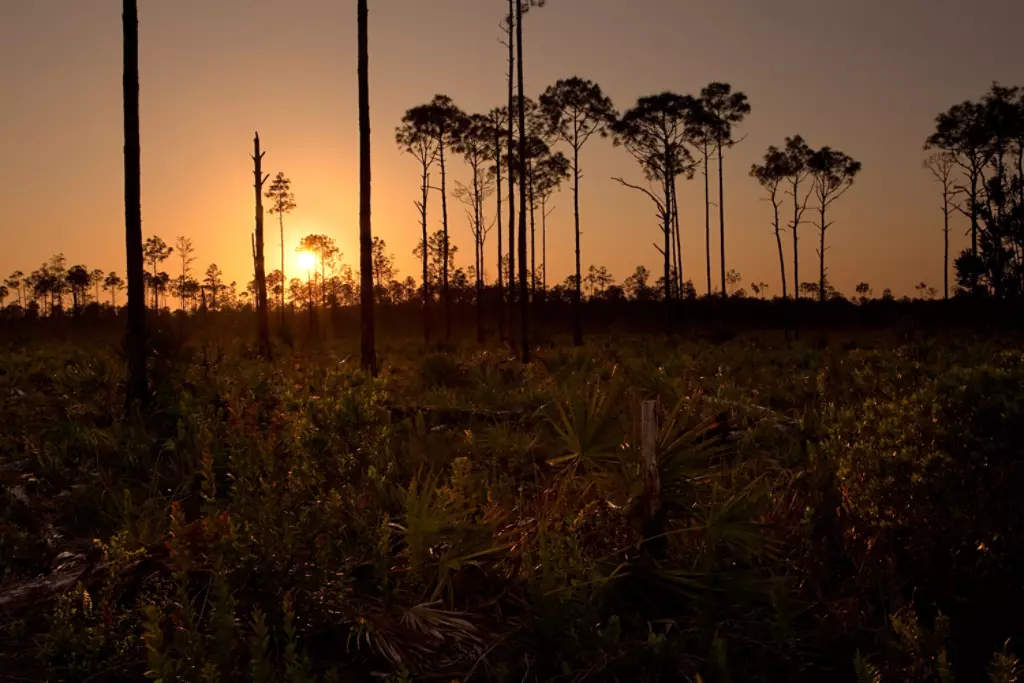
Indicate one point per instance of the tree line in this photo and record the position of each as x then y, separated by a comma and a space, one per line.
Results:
521, 152
977, 159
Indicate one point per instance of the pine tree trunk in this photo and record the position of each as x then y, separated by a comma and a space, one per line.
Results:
707, 213
974, 226
796, 242
478, 252
497, 193
821, 253
677, 233
138, 388
721, 215
945, 261
511, 176
426, 272
533, 240
524, 312
369, 354
544, 249
778, 240
577, 296
667, 251
259, 263
280, 220
445, 290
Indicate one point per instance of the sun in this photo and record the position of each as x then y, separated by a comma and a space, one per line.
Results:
306, 260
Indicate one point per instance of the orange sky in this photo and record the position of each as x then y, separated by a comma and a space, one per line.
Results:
866, 77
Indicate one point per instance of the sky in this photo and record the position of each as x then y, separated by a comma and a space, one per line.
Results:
865, 77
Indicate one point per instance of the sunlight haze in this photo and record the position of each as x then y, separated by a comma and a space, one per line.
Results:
864, 77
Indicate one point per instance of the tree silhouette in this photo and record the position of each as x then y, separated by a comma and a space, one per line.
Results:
963, 132
1001, 236
863, 291
771, 174
510, 26
523, 291
369, 353
155, 251
415, 137
725, 109
474, 144
798, 153
833, 174
576, 110
983, 139
383, 264
733, 279
325, 250
636, 285
941, 165
186, 252
436, 252
537, 149
441, 120
78, 280
160, 284
16, 283
214, 283
135, 343
96, 280
499, 120
548, 174
282, 202
113, 284
258, 258
701, 136
654, 132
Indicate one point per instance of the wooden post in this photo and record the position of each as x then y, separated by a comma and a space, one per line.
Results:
257, 254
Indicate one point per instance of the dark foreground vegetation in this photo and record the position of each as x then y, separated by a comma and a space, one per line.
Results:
845, 506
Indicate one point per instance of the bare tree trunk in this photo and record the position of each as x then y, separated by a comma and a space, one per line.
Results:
678, 238
721, 214
181, 293
667, 251
445, 290
497, 193
533, 240
577, 295
513, 21
478, 252
426, 273
945, 234
280, 220
524, 312
974, 225
369, 354
821, 255
796, 241
544, 248
259, 264
707, 213
138, 388
778, 240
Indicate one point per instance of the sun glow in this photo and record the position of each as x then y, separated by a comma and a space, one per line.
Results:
306, 260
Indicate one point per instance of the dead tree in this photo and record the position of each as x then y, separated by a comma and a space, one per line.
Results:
941, 165
259, 264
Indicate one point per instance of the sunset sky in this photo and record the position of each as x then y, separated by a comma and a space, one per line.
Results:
866, 77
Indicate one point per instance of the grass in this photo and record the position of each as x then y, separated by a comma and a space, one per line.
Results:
845, 510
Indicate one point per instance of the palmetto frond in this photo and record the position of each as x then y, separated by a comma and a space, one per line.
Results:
587, 424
